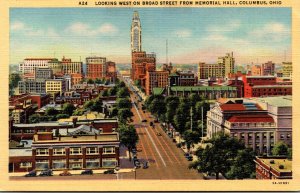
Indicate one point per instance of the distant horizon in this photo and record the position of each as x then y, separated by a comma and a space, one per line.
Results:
254, 35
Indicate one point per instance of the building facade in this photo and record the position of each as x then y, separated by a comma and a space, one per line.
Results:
55, 86
268, 69
69, 67
95, 67
156, 79
111, 71
30, 64
141, 63
136, 33
228, 62
259, 122
43, 73
273, 168
210, 70
256, 86
256, 70
287, 69
32, 86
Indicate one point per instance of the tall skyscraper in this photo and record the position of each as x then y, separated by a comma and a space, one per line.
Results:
136, 33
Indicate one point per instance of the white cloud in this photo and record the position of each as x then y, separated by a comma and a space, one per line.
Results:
227, 26
80, 28
184, 33
17, 25
273, 31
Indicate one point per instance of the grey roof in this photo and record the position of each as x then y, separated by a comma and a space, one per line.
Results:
20, 152
277, 101
44, 124
82, 129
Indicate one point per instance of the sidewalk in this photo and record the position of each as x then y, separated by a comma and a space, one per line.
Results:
74, 172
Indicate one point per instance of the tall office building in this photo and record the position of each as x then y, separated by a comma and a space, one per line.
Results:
228, 63
136, 33
96, 67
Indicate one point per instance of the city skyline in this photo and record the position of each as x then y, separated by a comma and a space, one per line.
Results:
253, 34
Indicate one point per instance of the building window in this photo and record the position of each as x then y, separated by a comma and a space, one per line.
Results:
59, 151
75, 163
92, 163
109, 162
59, 164
108, 150
25, 164
42, 151
288, 136
281, 136
42, 164
75, 151
92, 150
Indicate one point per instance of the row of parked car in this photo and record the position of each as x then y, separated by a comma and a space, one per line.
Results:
66, 172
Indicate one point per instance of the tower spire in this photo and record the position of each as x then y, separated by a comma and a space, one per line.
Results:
136, 33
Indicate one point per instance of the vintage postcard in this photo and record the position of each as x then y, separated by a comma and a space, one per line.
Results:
149, 95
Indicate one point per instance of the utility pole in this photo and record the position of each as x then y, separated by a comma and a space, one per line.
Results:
191, 118
202, 120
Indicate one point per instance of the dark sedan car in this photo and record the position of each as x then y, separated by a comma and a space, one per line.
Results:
46, 173
87, 172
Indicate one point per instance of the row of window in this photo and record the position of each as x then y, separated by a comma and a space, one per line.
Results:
75, 151
73, 163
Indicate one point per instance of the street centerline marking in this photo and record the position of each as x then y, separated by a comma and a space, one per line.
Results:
150, 137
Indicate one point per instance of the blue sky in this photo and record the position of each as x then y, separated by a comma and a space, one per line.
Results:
194, 34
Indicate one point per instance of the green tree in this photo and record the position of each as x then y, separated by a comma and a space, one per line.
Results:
123, 92
191, 138
280, 149
113, 91
35, 118
88, 104
121, 84
243, 165
97, 106
172, 103
14, 79
98, 81
90, 81
194, 98
105, 93
128, 137
123, 103
114, 112
62, 116
78, 112
51, 111
157, 106
124, 115
218, 156
68, 109
290, 153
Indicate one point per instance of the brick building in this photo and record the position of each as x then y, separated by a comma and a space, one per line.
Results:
95, 67
67, 152
76, 78
268, 69
273, 168
141, 63
182, 78
156, 79
26, 131
256, 86
111, 71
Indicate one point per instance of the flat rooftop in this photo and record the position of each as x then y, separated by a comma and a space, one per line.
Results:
287, 164
20, 152
114, 137
277, 101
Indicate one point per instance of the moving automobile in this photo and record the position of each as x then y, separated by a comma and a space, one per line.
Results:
46, 173
65, 173
87, 172
110, 171
31, 174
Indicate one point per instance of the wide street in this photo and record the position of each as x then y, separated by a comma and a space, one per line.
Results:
165, 159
